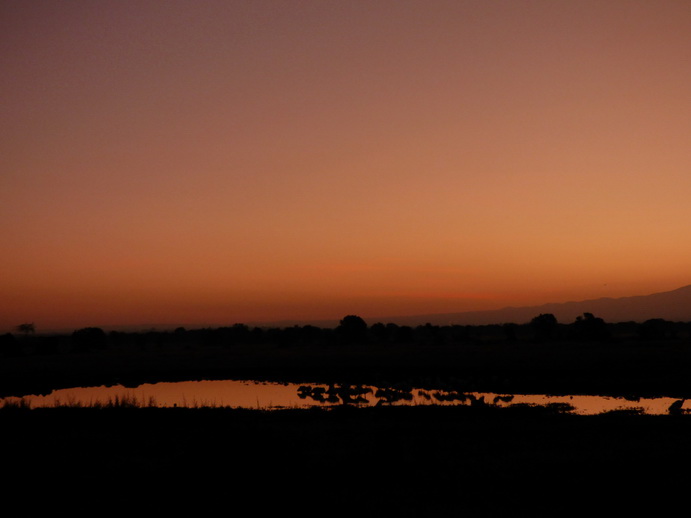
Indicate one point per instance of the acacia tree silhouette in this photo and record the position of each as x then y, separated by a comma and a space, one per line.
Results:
26, 329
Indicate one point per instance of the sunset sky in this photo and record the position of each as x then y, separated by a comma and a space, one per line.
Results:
212, 162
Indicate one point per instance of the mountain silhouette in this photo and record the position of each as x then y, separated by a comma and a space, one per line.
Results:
672, 305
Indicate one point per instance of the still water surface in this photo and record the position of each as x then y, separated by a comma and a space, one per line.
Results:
263, 395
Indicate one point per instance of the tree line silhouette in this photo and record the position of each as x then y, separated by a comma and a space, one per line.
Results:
351, 331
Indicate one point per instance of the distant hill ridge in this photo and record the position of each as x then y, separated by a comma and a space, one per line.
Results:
672, 305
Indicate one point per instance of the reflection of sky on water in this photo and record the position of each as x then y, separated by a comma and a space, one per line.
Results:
248, 394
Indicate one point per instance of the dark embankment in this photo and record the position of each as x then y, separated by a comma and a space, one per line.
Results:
624, 368
396, 461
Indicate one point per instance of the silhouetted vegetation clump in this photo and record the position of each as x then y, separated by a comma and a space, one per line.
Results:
544, 326
657, 329
591, 356
590, 328
352, 329
89, 338
26, 329
9, 345
403, 334
511, 331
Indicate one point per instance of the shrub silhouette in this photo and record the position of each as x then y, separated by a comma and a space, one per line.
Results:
656, 329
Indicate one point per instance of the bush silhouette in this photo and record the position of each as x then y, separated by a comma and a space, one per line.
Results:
590, 327
89, 338
352, 328
544, 326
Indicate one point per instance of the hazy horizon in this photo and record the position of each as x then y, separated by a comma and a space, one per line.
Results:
228, 161
504, 314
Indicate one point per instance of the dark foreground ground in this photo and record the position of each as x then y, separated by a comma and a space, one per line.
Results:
387, 461
391, 461
643, 369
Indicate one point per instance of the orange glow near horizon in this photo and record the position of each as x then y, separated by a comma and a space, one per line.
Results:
218, 162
